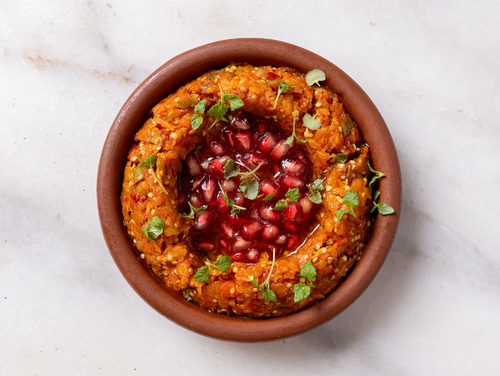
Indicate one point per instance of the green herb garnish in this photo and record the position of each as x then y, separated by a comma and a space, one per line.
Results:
267, 293
314, 76
235, 209
350, 199
250, 188
340, 158
223, 263
376, 175
282, 86
311, 122
291, 196
193, 211
315, 188
220, 109
197, 119
235, 102
150, 162
303, 290
382, 208
153, 228
293, 136
269, 197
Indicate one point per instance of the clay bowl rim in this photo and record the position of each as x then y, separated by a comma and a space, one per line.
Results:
131, 116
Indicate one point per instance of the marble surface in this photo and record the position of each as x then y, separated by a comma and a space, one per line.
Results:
431, 68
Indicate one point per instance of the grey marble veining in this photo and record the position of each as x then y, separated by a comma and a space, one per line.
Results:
432, 69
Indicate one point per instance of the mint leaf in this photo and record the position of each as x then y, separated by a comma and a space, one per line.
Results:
223, 263
314, 76
292, 194
351, 198
196, 121
202, 274
280, 205
301, 291
234, 101
341, 212
200, 107
308, 271
289, 140
282, 86
249, 188
377, 175
218, 110
315, 197
269, 197
230, 169
154, 228
269, 295
311, 122
193, 211
149, 161
255, 282
385, 209
235, 209
340, 158
317, 185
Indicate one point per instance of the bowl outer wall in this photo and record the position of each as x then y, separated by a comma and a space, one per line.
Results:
166, 80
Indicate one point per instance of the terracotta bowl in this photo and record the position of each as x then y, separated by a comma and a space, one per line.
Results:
131, 116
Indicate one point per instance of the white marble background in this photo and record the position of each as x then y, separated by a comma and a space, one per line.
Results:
433, 70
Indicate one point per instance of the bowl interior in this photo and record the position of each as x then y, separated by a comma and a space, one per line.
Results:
167, 79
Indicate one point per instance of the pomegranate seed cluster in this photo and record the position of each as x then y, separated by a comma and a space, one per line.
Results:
246, 189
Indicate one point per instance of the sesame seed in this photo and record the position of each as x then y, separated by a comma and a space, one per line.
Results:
235, 269
315, 258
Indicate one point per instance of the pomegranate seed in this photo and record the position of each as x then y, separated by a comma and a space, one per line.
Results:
281, 239
193, 165
268, 186
239, 199
181, 199
229, 137
217, 148
224, 244
292, 166
228, 185
262, 127
292, 227
293, 240
267, 142
268, 214
208, 189
252, 160
206, 246
280, 150
204, 219
244, 141
293, 213
307, 205
240, 244
227, 229
241, 123
195, 183
195, 199
216, 166
221, 203
251, 230
254, 214
238, 256
288, 181
253, 255
301, 156
270, 232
